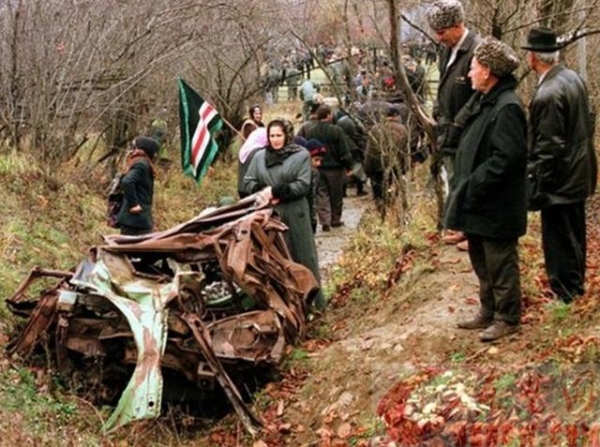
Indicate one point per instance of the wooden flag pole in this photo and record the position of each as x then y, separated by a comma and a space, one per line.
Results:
232, 128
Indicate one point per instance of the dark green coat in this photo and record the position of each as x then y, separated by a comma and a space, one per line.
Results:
138, 189
454, 91
488, 193
289, 175
338, 155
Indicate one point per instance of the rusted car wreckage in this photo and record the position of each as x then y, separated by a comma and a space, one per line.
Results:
214, 295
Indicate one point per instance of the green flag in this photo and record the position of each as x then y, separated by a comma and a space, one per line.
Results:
199, 121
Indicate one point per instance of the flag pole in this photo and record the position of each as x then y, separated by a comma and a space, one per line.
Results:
233, 128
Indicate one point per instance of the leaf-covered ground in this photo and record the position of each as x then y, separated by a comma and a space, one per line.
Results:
384, 366
387, 366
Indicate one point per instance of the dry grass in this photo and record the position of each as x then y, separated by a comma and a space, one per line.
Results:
50, 220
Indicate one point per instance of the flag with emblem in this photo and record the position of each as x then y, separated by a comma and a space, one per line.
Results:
199, 121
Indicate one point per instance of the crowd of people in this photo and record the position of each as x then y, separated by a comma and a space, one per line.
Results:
499, 161
357, 74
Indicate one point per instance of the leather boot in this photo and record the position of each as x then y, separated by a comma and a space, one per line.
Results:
498, 330
478, 322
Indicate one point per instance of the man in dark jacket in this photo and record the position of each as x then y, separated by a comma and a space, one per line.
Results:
357, 138
447, 19
562, 163
332, 172
137, 183
387, 157
487, 196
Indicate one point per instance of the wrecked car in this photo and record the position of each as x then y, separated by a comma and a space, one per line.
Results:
213, 296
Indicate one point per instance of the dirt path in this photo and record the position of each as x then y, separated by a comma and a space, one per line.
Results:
390, 340
330, 245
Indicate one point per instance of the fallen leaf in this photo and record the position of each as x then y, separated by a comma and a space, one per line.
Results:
280, 407
493, 350
344, 430
284, 428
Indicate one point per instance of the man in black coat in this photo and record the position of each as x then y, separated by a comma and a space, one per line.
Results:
357, 138
487, 196
332, 172
562, 163
447, 19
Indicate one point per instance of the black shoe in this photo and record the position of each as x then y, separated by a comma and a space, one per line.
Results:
337, 224
326, 228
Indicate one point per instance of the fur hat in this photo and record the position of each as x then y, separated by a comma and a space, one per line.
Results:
497, 56
445, 14
148, 145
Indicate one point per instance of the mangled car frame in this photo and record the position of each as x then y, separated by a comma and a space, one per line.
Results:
216, 294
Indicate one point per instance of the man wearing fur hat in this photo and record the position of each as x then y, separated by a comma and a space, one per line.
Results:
562, 167
487, 195
447, 20
137, 183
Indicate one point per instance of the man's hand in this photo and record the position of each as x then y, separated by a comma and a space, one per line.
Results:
135, 209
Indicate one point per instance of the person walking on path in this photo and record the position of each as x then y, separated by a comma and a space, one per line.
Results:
292, 81
308, 90
386, 158
332, 173
357, 138
137, 183
447, 19
487, 198
562, 163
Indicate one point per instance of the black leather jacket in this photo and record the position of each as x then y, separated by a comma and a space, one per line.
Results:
562, 165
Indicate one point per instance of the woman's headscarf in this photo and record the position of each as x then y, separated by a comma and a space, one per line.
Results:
256, 139
286, 125
272, 156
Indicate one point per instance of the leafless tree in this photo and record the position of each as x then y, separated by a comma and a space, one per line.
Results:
75, 70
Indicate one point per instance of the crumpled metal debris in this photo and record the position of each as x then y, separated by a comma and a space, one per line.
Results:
212, 295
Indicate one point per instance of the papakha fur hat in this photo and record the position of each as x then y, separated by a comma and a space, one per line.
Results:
445, 14
497, 56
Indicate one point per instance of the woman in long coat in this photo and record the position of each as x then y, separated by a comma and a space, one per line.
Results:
487, 197
282, 170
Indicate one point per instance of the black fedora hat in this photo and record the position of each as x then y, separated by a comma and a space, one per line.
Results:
541, 40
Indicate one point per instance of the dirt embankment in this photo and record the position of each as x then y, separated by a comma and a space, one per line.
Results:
367, 357
402, 356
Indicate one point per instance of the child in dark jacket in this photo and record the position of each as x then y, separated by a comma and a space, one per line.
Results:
316, 150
